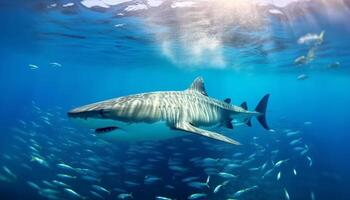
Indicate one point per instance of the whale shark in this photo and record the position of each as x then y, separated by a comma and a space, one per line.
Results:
167, 114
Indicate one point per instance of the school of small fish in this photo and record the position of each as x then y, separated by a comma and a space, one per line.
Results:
57, 161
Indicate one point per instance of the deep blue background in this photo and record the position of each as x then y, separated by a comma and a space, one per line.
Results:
87, 75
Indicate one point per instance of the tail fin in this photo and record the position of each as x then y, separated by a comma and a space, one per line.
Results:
207, 182
322, 35
261, 108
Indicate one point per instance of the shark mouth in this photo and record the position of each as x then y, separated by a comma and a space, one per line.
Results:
105, 129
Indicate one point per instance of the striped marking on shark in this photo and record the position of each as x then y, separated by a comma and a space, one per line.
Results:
168, 114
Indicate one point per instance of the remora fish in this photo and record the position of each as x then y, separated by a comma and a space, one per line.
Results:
162, 115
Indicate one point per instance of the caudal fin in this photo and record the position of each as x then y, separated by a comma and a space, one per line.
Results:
261, 108
207, 182
321, 35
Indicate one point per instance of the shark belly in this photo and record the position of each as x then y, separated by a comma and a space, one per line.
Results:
143, 131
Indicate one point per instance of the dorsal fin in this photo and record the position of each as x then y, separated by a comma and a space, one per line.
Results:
244, 105
198, 85
227, 100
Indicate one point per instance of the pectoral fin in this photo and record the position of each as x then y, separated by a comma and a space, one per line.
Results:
185, 126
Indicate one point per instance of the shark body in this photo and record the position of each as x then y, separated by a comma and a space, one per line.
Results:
163, 115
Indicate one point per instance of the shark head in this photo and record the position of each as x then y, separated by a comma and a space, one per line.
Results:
101, 116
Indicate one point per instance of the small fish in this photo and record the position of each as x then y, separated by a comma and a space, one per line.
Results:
199, 185
150, 179
279, 176
272, 130
188, 179
310, 161
298, 149
32, 66
125, 196
48, 184
302, 77
9, 172
55, 64
304, 152
73, 193
307, 123
312, 195
66, 176
178, 168
292, 133
209, 161
96, 194
65, 166
91, 178
286, 193
253, 169
312, 39
264, 166
67, 5
276, 12
252, 156
301, 60
294, 172
52, 5
162, 198
170, 187
48, 192
33, 185
240, 192
60, 183
100, 188
237, 154
197, 196
227, 175
279, 163
39, 161
119, 25
296, 141
233, 165
217, 188
4, 178
268, 172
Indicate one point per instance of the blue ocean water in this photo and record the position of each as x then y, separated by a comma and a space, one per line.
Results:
58, 55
